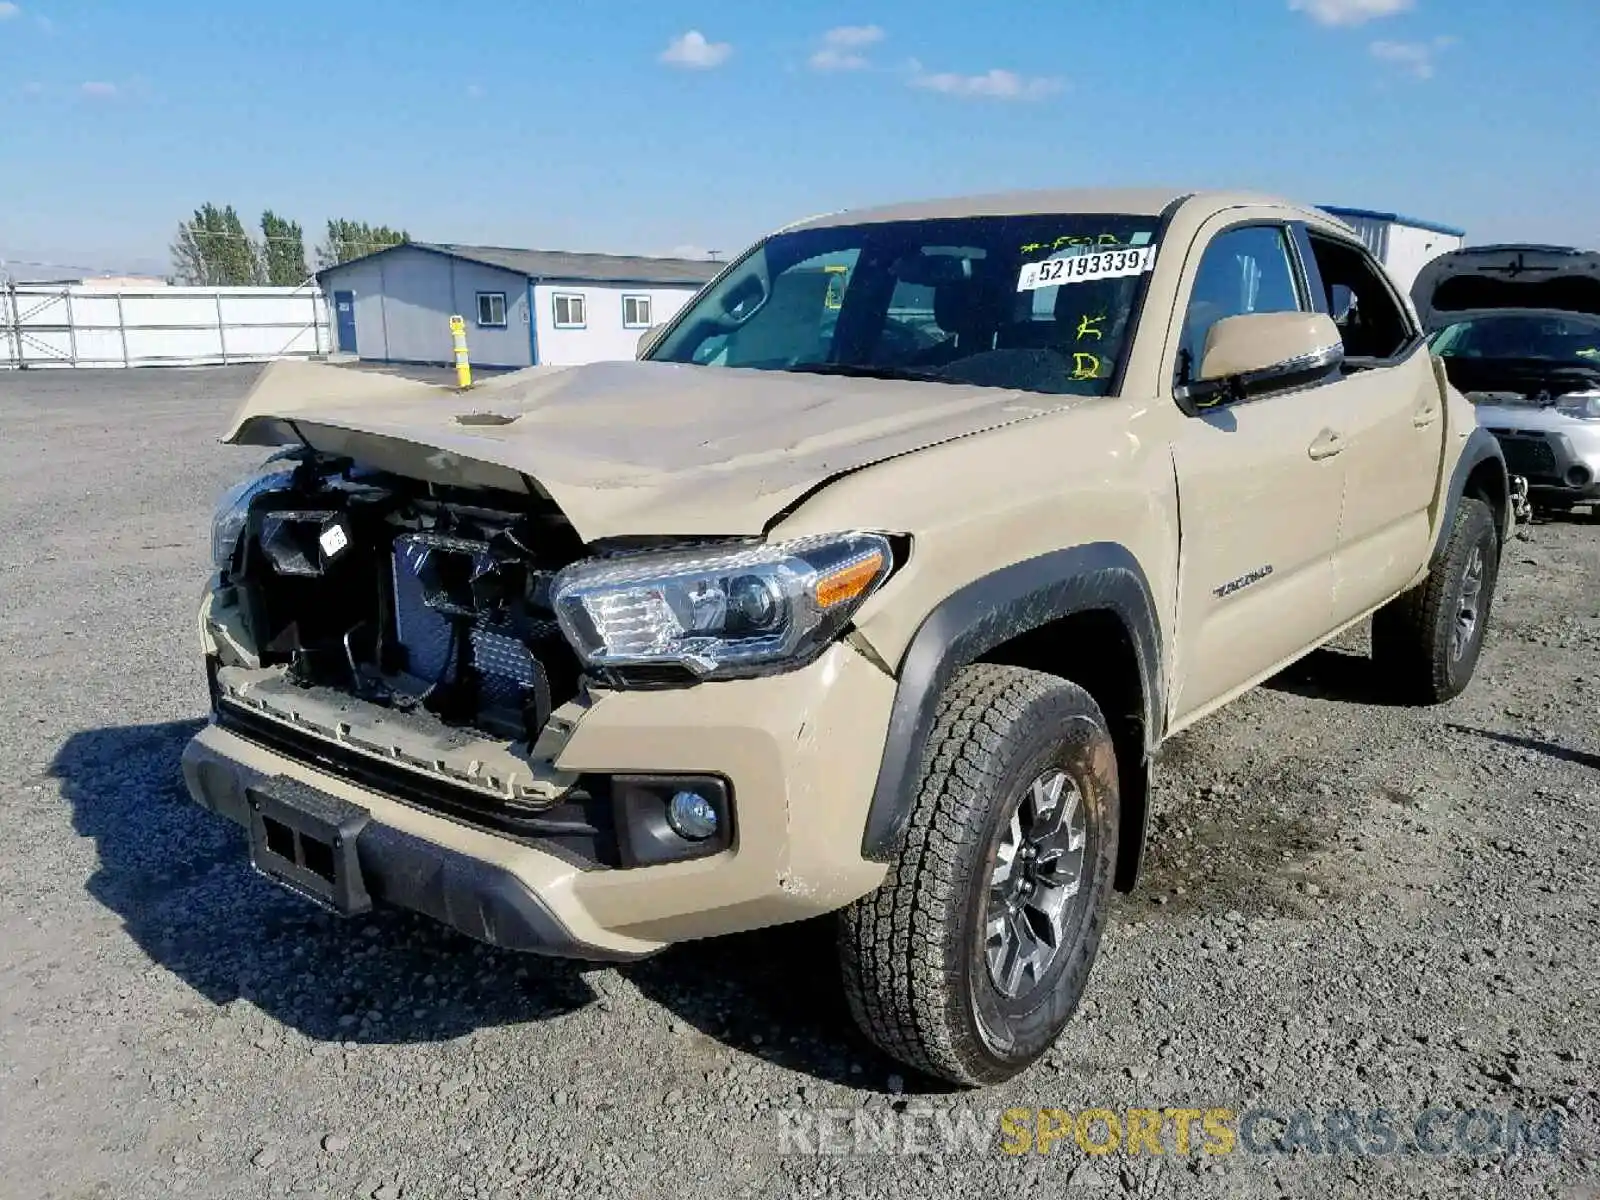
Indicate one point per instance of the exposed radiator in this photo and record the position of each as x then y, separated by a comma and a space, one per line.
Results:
425, 615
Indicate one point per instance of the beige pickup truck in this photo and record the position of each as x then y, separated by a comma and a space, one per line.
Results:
872, 588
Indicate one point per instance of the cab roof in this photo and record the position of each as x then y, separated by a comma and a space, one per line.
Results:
1144, 201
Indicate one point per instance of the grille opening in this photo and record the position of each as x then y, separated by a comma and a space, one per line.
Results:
431, 599
280, 838
318, 857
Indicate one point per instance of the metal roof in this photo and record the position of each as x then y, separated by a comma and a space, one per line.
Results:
565, 267
1393, 219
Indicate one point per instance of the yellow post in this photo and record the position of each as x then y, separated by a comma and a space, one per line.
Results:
458, 337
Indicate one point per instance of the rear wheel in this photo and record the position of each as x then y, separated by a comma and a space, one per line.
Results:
1428, 639
970, 958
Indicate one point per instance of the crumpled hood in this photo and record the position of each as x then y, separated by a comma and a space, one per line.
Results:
626, 448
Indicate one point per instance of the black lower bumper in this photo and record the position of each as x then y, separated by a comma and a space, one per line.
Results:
333, 853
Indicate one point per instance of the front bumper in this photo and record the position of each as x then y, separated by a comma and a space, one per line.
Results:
1558, 461
800, 751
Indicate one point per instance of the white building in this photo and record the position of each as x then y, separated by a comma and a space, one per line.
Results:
1402, 244
521, 307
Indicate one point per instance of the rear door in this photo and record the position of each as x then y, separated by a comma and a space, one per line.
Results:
1258, 490
1389, 409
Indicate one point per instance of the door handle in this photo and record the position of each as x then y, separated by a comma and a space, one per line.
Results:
1326, 444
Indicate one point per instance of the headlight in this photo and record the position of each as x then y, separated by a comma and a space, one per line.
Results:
227, 524
730, 611
1581, 404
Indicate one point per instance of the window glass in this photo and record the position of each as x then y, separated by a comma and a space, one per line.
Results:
1372, 323
1541, 337
491, 308
1037, 302
636, 312
569, 312
1245, 270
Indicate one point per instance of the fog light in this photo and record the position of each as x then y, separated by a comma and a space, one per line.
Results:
1577, 476
692, 816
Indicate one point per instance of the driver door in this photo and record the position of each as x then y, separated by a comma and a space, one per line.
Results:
1259, 491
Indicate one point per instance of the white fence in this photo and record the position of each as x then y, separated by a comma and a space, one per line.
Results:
56, 325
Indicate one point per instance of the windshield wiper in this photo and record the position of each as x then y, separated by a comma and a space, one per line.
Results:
856, 371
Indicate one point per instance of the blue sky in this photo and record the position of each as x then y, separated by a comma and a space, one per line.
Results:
627, 127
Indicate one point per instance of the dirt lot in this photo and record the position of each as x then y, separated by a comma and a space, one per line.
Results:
1349, 906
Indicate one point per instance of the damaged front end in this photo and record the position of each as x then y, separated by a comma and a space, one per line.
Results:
400, 634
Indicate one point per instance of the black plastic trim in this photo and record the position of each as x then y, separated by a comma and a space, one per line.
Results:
578, 831
481, 900
1481, 446
484, 901
987, 613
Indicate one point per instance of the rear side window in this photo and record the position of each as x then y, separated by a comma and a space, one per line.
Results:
1245, 270
1372, 322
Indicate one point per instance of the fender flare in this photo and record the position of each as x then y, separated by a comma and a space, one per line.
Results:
1481, 446
986, 613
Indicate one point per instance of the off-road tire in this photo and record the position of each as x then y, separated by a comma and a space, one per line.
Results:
1412, 635
912, 952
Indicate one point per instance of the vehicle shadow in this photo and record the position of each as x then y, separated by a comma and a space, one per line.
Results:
180, 880
1330, 674
1549, 749
775, 994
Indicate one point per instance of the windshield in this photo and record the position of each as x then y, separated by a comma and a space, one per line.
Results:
1035, 303
1545, 337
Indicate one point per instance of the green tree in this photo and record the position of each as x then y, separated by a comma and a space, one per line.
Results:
283, 251
352, 239
212, 249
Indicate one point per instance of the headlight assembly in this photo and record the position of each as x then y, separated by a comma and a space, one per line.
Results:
721, 612
233, 509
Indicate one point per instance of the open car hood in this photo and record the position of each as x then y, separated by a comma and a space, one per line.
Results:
626, 448
1483, 279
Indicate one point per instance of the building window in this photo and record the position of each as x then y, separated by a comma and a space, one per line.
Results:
492, 309
569, 311
636, 312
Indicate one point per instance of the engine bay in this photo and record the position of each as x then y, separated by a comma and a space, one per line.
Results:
410, 596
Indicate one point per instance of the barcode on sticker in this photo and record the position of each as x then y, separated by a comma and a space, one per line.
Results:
334, 539
1082, 267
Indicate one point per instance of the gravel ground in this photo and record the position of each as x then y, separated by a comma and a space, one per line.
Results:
1348, 907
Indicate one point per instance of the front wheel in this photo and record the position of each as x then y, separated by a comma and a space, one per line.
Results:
970, 958
1428, 639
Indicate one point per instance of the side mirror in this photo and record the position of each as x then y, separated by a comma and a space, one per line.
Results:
1265, 352
645, 339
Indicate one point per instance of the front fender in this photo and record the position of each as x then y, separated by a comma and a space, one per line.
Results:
1481, 448
985, 614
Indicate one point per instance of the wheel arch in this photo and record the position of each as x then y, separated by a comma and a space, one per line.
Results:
1084, 613
1480, 472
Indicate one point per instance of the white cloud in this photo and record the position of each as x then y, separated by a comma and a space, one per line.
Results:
97, 89
1413, 58
9, 10
694, 52
1349, 12
842, 48
996, 84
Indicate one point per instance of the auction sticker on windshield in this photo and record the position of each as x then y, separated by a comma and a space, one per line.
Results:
1080, 268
